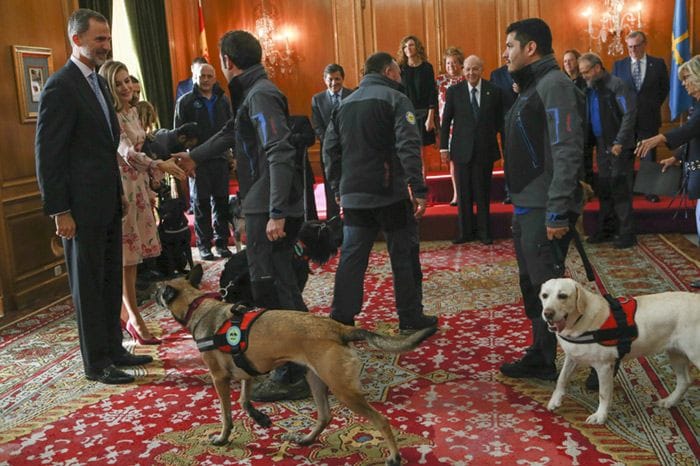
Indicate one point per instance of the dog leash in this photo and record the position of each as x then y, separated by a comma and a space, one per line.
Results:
560, 258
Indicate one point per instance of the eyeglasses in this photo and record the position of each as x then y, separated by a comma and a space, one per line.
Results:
636, 46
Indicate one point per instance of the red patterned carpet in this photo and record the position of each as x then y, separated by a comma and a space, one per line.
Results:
446, 400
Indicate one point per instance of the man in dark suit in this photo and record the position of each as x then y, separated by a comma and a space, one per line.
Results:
648, 76
76, 161
474, 109
322, 104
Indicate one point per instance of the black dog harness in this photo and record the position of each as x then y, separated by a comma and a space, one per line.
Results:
618, 330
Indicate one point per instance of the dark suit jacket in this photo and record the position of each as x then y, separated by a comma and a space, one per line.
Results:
472, 139
650, 97
500, 77
76, 154
321, 107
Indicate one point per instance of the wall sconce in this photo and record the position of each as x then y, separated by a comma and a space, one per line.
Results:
282, 60
614, 22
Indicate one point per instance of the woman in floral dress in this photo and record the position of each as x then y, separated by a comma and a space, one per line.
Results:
139, 228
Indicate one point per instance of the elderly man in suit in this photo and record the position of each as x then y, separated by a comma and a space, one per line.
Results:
474, 108
322, 104
648, 76
76, 161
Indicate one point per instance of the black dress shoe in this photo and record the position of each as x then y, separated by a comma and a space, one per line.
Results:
624, 242
129, 359
110, 375
652, 198
695, 284
600, 237
206, 255
486, 240
223, 252
462, 240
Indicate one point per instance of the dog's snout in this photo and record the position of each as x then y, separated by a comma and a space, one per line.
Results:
548, 314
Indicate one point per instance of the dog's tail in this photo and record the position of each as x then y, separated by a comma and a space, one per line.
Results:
390, 344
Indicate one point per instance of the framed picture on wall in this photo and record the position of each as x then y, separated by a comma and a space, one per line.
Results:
33, 65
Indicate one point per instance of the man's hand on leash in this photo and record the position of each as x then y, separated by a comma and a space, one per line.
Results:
275, 229
418, 207
556, 233
65, 225
185, 162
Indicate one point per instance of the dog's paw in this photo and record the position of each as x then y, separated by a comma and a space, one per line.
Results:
299, 439
555, 401
260, 418
666, 403
597, 418
394, 460
218, 440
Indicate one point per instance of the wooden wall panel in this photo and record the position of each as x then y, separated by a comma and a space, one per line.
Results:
26, 262
480, 18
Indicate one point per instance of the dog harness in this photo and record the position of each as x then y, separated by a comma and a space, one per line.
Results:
232, 337
619, 329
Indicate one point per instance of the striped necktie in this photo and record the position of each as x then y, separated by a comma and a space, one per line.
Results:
637, 74
475, 103
92, 78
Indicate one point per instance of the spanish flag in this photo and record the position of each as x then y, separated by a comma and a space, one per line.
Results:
202, 33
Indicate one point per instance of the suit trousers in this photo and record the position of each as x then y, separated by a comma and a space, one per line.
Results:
539, 259
615, 182
361, 227
473, 187
94, 262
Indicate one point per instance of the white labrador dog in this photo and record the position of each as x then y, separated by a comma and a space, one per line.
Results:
665, 321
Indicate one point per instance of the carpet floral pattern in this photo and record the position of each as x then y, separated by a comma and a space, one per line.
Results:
446, 401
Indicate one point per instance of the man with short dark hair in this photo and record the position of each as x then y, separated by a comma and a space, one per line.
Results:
77, 136
611, 117
271, 189
372, 152
647, 77
208, 106
322, 104
543, 157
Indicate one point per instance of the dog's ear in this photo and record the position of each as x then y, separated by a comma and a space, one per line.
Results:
581, 298
169, 294
195, 275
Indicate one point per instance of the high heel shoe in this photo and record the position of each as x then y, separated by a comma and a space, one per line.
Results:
142, 341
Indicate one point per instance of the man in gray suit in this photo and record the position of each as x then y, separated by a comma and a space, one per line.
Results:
322, 104
77, 136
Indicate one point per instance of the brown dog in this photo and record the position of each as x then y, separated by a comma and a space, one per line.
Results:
277, 337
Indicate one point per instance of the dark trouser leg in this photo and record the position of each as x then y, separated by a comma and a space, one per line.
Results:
350, 276
332, 207
621, 192
221, 221
607, 220
200, 192
465, 200
404, 252
481, 182
538, 260
94, 262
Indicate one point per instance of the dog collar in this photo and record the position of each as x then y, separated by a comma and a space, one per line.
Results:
300, 250
196, 303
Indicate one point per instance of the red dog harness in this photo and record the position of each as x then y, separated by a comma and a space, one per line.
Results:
619, 329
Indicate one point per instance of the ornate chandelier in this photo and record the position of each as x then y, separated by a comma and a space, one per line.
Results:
614, 23
276, 61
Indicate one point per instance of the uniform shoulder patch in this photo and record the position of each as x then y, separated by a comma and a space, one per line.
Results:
411, 118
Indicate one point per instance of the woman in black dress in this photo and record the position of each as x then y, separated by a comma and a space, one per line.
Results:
418, 77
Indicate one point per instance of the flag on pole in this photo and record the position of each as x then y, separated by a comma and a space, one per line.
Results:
679, 100
202, 34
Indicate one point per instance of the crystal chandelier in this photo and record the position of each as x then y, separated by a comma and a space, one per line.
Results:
614, 22
276, 60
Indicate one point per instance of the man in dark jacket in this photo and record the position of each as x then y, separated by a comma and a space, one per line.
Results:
543, 163
270, 189
372, 156
208, 106
611, 114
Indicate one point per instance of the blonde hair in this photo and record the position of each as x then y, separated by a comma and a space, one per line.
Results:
454, 52
147, 116
401, 57
692, 67
109, 71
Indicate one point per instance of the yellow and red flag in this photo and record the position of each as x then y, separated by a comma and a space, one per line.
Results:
202, 34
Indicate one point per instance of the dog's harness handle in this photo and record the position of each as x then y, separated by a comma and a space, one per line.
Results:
232, 337
618, 330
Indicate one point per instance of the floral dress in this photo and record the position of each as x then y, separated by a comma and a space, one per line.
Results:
139, 228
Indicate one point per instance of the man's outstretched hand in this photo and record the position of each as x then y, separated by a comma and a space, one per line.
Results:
185, 162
